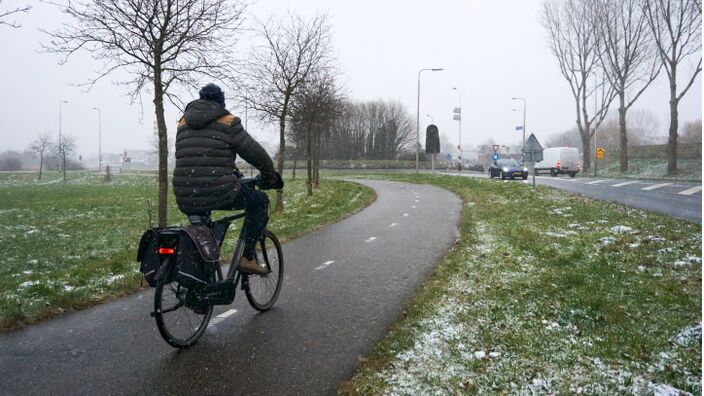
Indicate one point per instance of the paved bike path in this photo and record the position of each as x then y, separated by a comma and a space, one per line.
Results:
344, 285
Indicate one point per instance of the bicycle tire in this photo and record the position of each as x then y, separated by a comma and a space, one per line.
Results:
262, 291
188, 316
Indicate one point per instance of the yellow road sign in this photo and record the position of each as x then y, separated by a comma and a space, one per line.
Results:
600, 153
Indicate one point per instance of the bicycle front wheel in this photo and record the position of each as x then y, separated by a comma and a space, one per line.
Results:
263, 290
180, 320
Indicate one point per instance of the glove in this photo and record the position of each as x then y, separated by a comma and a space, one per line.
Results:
270, 181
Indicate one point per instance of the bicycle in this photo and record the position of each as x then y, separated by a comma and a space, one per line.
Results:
182, 314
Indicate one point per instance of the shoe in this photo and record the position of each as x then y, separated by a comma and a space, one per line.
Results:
251, 267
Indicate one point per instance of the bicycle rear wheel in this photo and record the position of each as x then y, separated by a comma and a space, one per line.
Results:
180, 320
263, 290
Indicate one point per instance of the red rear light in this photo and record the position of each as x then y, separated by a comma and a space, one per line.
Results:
166, 250
558, 164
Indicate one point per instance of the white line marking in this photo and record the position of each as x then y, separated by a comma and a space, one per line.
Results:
370, 239
405, 215
690, 191
392, 225
624, 184
654, 186
227, 313
324, 265
596, 181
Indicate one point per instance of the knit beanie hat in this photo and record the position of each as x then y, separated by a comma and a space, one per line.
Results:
214, 93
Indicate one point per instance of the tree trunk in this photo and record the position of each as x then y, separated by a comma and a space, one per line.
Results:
586, 146
309, 164
282, 152
41, 165
163, 179
295, 163
316, 162
672, 138
622, 131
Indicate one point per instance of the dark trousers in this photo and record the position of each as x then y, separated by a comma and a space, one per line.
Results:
256, 205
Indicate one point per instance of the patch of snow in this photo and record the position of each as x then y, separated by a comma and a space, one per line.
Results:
605, 241
633, 245
641, 268
666, 250
689, 335
27, 284
494, 355
667, 390
479, 354
620, 229
655, 238
68, 288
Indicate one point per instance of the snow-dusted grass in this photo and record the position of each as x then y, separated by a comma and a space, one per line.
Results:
548, 293
651, 168
67, 245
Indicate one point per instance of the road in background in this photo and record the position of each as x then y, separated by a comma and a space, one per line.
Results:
678, 199
344, 286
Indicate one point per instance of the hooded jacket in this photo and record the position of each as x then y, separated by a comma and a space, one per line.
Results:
208, 141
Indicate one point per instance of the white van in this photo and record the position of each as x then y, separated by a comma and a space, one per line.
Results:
559, 160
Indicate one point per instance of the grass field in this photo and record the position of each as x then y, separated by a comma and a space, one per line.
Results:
67, 245
647, 168
548, 293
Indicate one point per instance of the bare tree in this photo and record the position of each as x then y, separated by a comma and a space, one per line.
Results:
293, 49
692, 132
162, 44
676, 27
11, 11
65, 146
40, 147
574, 40
628, 57
313, 108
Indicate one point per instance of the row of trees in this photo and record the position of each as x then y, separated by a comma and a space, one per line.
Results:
45, 148
614, 49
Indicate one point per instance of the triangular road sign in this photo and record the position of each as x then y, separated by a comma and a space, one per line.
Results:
532, 145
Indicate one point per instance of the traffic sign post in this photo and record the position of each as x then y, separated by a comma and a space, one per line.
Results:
533, 153
600, 153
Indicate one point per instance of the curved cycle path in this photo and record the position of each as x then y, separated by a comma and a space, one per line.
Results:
344, 285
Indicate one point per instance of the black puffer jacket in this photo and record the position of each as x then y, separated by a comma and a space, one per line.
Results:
207, 143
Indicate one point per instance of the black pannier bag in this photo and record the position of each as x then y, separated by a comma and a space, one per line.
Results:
195, 250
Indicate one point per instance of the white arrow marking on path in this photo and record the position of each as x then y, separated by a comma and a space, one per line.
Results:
227, 313
596, 181
690, 191
624, 184
324, 265
654, 186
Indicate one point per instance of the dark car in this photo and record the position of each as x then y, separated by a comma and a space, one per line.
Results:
507, 169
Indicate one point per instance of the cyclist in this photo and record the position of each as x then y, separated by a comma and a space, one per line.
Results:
206, 178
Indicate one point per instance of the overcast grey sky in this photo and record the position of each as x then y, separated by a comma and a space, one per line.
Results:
490, 50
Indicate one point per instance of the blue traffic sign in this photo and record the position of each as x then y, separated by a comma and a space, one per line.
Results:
495, 156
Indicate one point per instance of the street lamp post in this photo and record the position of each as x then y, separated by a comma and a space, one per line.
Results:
63, 155
418, 115
458, 117
100, 150
524, 120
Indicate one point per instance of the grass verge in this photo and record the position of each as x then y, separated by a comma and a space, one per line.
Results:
68, 245
548, 292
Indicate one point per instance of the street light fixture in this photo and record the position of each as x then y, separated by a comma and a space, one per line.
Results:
418, 114
100, 151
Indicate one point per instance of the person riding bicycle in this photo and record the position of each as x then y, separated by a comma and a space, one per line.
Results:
206, 178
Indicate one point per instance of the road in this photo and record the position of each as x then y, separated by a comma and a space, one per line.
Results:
677, 199
344, 285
